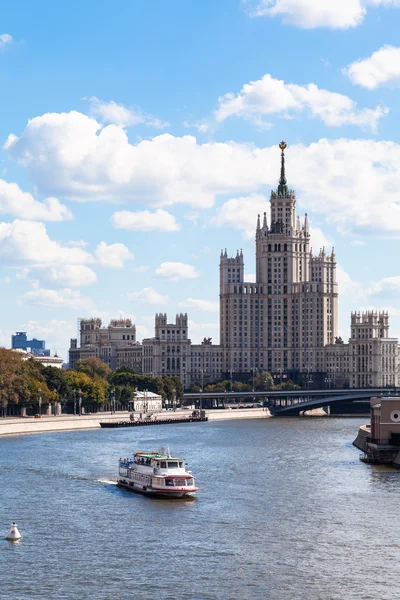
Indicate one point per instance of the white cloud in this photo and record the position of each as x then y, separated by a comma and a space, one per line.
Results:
111, 112
176, 271
15, 202
348, 286
112, 255
142, 332
77, 244
5, 40
73, 156
27, 243
358, 243
319, 240
64, 298
385, 285
250, 278
68, 156
67, 275
308, 14
149, 296
198, 304
241, 213
198, 331
382, 67
159, 220
268, 96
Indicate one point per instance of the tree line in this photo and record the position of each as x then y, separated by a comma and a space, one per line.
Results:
26, 382
260, 382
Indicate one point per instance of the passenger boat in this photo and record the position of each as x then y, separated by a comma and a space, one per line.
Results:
156, 473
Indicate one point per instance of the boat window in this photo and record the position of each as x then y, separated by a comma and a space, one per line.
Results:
181, 465
172, 465
163, 464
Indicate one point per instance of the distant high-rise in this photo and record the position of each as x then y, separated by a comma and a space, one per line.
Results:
282, 321
20, 341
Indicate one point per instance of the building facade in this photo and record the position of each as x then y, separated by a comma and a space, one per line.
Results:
168, 352
282, 321
115, 344
370, 359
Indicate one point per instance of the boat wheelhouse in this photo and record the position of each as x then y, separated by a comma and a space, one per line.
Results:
156, 473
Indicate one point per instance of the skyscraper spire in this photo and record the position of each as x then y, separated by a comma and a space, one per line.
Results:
282, 187
265, 221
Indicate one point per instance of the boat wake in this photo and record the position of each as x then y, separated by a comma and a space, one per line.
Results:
106, 481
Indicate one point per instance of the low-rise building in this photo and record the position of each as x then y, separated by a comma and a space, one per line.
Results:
145, 402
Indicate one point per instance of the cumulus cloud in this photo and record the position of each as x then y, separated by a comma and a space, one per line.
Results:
5, 40
241, 213
309, 14
149, 296
268, 96
176, 271
73, 156
382, 67
144, 220
198, 304
199, 330
64, 298
112, 255
386, 285
318, 239
118, 114
15, 202
70, 155
66, 275
27, 243
348, 286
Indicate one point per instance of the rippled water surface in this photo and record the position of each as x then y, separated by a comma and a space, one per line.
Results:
285, 511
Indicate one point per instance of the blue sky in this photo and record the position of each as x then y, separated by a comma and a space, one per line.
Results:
139, 137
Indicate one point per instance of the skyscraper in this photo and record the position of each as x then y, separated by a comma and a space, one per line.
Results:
282, 322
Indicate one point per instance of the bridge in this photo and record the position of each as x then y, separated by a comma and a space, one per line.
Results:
288, 402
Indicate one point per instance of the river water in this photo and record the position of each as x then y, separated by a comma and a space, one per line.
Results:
285, 511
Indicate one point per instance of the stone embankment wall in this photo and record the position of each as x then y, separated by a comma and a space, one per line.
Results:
361, 440
20, 426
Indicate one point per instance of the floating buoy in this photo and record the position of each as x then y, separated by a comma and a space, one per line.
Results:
13, 535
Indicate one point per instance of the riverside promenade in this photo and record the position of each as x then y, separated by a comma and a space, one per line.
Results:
28, 425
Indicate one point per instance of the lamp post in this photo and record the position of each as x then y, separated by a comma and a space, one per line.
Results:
80, 402
112, 392
201, 389
174, 399
74, 392
40, 400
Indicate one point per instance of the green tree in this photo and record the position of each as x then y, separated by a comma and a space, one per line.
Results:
91, 390
56, 381
262, 381
94, 367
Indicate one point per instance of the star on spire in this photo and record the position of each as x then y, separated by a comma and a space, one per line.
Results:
283, 189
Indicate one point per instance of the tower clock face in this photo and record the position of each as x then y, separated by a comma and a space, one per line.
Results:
395, 416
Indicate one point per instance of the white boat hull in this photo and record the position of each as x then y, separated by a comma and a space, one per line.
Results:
140, 489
